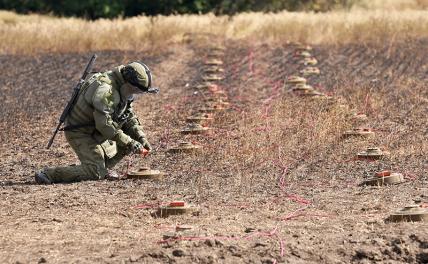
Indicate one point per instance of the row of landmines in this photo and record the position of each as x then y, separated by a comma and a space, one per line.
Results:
215, 101
299, 86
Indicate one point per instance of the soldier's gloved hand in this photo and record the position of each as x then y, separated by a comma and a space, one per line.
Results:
145, 144
136, 147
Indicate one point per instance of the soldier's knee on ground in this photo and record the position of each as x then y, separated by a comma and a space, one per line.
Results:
94, 171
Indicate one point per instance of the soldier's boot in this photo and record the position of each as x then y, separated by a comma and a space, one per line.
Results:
42, 178
112, 176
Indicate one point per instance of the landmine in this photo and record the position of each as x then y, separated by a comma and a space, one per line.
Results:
384, 178
200, 117
185, 147
217, 101
296, 80
215, 95
372, 153
212, 109
302, 88
309, 61
205, 85
212, 78
213, 62
304, 54
410, 213
145, 173
195, 128
215, 54
217, 49
175, 208
358, 132
213, 70
310, 71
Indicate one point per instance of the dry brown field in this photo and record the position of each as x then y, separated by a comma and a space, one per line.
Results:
275, 182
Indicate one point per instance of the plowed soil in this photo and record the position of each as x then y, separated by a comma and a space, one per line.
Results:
300, 204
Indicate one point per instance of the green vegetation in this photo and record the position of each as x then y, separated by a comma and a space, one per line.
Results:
94, 9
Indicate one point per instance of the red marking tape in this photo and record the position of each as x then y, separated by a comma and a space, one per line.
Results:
383, 173
176, 204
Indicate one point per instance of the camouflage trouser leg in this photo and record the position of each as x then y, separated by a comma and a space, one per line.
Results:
91, 156
94, 162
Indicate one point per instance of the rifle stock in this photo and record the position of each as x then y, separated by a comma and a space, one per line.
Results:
73, 99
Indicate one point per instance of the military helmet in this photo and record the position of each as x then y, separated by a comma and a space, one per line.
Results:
139, 75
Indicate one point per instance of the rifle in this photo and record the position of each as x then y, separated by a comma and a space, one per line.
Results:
73, 99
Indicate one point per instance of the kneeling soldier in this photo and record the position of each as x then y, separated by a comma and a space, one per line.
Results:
102, 127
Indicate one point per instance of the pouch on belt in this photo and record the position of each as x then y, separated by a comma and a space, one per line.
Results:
110, 148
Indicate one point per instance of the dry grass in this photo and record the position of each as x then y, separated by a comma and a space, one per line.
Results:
303, 137
392, 4
33, 34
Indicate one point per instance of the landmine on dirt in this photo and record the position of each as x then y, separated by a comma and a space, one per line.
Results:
205, 86
175, 208
296, 80
410, 213
215, 55
302, 88
309, 62
145, 173
213, 70
304, 54
213, 62
372, 153
217, 101
195, 128
200, 117
310, 71
384, 178
212, 78
363, 132
185, 147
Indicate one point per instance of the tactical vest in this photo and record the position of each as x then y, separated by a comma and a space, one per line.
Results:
81, 117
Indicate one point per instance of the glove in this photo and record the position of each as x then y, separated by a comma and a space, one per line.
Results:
136, 147
145, 144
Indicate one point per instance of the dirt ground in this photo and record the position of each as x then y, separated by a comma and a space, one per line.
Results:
302, 204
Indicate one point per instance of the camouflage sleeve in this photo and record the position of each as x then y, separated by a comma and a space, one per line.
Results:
133, 126
103, 103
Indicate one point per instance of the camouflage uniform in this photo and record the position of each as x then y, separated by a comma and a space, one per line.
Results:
101, 128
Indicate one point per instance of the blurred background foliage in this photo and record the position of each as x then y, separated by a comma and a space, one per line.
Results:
93, 9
